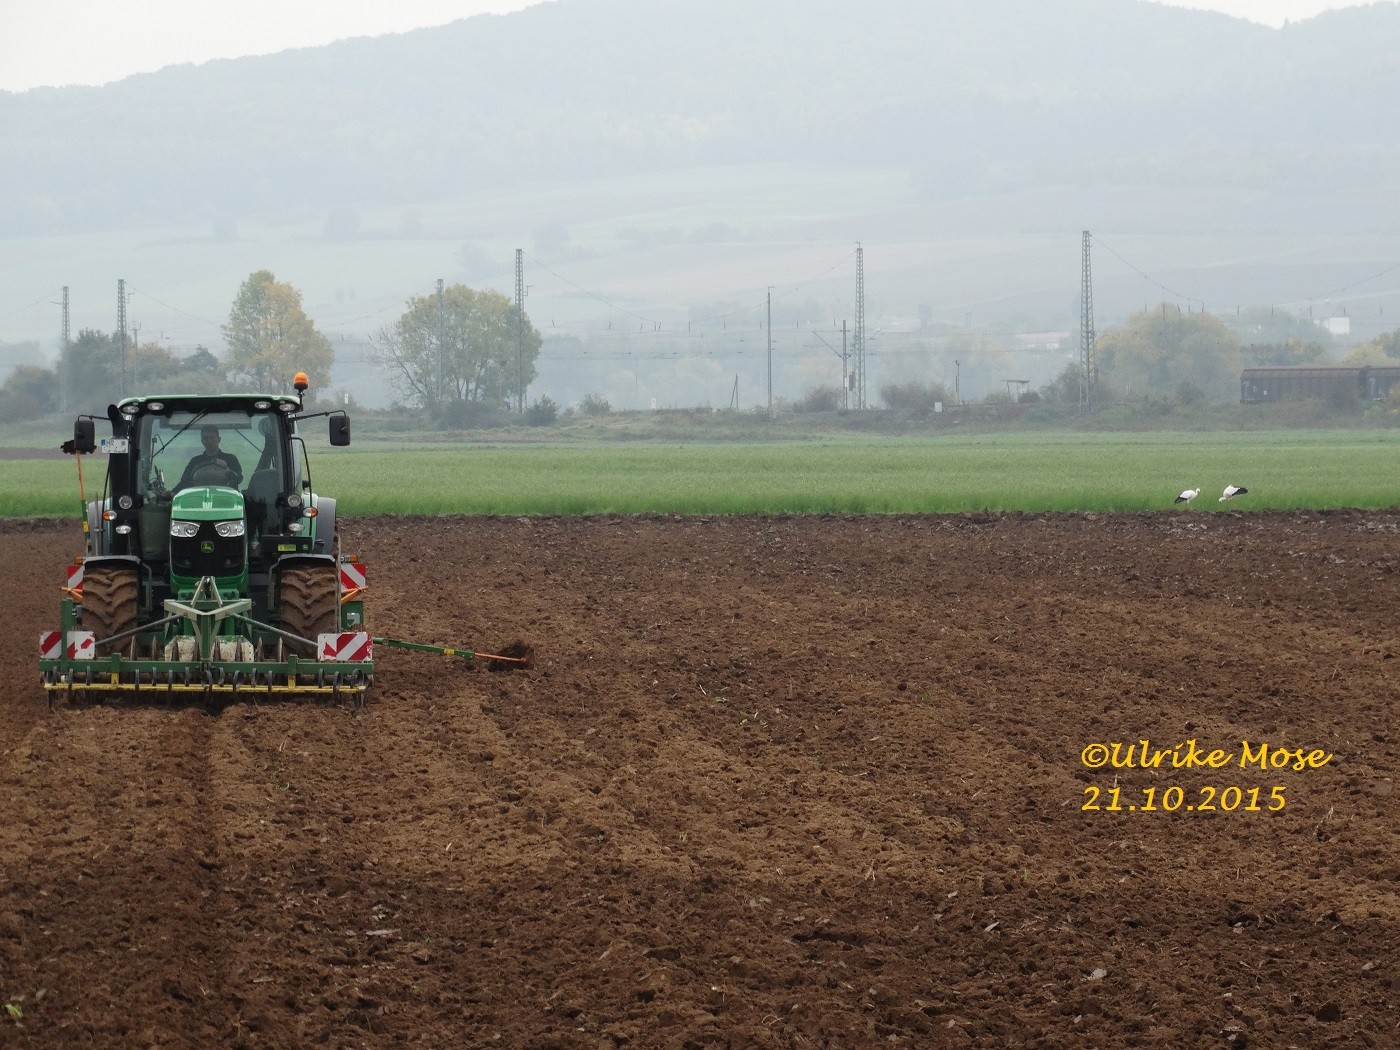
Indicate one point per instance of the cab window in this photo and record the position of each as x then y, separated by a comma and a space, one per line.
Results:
171, 448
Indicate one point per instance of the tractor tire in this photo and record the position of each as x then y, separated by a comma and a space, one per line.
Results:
308, 604
109, 600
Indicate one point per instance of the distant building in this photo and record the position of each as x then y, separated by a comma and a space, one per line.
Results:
1041, 340
1339, 323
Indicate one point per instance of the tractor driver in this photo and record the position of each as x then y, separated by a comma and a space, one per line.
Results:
213, 461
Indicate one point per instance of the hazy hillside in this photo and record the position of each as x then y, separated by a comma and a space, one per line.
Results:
973, 97
663, 162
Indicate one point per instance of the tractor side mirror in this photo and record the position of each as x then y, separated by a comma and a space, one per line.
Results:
340, 429
84, 436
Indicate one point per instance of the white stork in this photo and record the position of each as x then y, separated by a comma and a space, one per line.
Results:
1187, 496
1231, 491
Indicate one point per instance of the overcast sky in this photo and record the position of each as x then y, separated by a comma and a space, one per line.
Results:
52, 42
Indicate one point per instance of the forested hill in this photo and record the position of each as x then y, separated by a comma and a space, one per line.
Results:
972, 96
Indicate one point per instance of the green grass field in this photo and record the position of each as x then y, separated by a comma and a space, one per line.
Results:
1054, 472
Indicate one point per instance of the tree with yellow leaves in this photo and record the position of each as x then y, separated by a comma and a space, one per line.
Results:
270, 338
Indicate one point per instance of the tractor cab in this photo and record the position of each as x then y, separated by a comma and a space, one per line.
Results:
209, 487
226, 473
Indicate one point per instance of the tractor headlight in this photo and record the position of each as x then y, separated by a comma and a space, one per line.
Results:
184, 530
293, 500
124, 502
229, 529
295, 526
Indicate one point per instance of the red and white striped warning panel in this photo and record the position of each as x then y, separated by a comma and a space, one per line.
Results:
75, 577
352, 574
346, 647
81, 645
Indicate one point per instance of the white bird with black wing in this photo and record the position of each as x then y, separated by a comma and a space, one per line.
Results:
1231, 491
1187, 496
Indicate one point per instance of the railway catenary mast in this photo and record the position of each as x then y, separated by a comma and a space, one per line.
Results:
121, 327
440, 386
1089, 371
63, 362
858, 339
519, 329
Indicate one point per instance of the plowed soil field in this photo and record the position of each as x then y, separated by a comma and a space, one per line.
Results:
772, 782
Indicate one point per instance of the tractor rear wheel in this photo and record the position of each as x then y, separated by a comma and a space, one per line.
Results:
308, 604
109, 600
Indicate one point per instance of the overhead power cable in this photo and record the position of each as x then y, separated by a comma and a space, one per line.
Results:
43, 298
1339, 291
384, 309
1206, 302
131, 288
1150, 280
661, 325
219, 324
590, 294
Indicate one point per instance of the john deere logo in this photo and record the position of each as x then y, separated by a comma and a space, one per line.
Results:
207, 546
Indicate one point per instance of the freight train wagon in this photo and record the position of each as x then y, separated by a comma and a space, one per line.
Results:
1323, 382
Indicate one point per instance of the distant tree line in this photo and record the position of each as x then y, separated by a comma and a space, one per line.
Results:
1165, 353
1161, 354
268, 340
455, 357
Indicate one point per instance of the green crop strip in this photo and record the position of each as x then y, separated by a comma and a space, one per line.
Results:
1029, 472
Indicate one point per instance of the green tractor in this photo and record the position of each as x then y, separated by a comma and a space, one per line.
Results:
211, 564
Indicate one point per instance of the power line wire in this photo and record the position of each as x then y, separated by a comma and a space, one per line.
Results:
36, 302
383, 309
591, 295
660, 325
219, 325
132, 288
1205, 302
1150, 280
1338, 291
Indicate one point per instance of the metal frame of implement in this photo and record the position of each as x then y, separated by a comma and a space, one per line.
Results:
466, 654
207, 676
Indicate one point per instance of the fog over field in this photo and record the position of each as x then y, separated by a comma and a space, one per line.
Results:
663, 166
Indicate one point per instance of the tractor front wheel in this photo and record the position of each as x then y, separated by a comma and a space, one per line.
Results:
308, 604
109, 600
